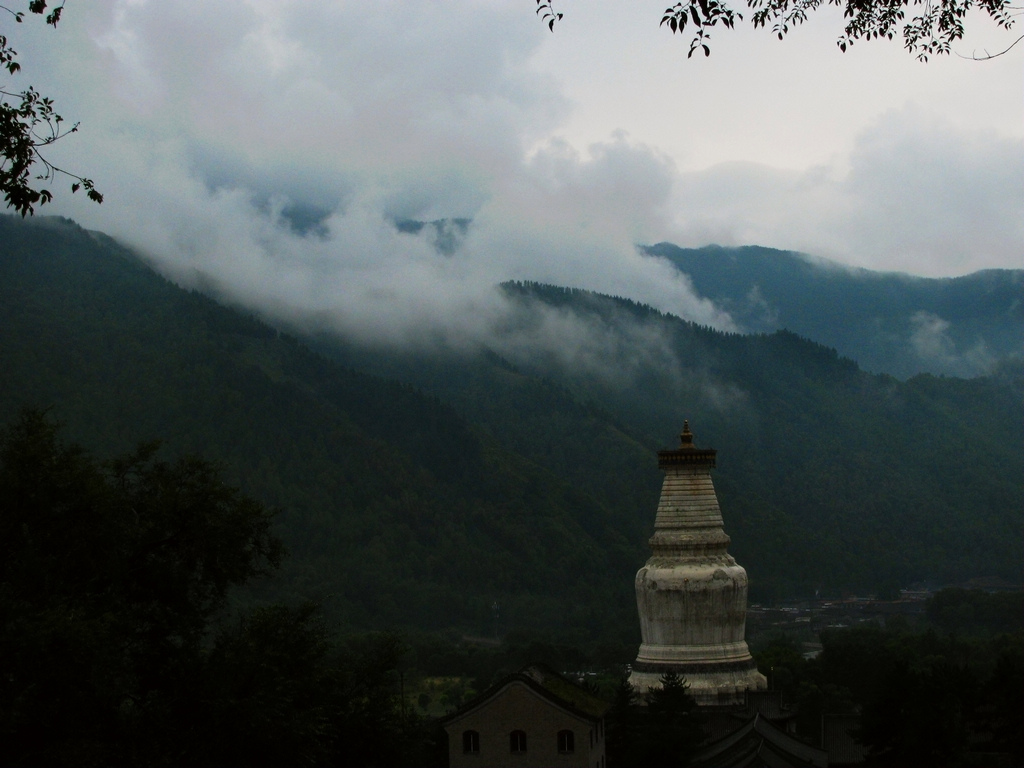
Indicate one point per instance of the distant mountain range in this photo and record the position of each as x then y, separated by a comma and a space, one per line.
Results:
888, 322
484, 493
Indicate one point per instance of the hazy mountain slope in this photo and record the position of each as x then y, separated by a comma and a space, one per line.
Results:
887, 322
870, 475
538, 418
396, 509
529, 481
829, 476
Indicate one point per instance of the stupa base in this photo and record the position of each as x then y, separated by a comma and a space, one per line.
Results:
716, 684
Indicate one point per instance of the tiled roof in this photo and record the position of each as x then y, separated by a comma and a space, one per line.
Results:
838, 738
551, 686
759, 743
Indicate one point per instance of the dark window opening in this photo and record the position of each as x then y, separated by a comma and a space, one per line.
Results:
517, 741
470, 742
566, 742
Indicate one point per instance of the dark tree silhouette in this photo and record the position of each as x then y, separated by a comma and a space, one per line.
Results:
110, 576
623, 724
116, 646
671, 733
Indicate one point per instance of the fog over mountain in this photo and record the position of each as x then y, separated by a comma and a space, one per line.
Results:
269, 147
886, 321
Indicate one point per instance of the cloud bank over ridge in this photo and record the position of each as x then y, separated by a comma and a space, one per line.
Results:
214, 128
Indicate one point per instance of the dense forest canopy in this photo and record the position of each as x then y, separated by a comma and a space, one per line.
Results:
116, 648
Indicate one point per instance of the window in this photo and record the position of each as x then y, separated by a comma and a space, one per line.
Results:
470, 742
566, 742
517, 741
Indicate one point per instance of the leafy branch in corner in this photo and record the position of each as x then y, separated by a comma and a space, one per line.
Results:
933, 26
28, 124
1011, 11
704, 14
545, 9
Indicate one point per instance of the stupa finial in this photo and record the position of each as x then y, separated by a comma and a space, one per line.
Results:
687, 452
686, 437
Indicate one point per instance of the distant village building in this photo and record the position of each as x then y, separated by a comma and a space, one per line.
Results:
534, 717
691, 595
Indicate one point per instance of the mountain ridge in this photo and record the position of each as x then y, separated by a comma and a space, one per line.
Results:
420, 488
889, 322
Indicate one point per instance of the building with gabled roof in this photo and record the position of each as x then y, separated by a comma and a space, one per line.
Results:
533, 717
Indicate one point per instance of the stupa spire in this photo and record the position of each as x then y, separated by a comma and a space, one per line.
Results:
692, 595
686, 436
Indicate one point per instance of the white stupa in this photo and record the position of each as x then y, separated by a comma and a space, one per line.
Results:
691, 595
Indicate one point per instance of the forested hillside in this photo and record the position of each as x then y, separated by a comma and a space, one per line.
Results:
421, 489
396, 510
888, 322
830, 478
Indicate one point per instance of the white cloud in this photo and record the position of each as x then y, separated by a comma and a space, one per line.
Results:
208, 125
917, 195
924, 193
931, 342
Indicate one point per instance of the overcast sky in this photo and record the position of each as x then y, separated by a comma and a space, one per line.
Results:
213, 127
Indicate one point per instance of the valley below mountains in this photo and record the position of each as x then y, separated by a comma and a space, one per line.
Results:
485, 491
